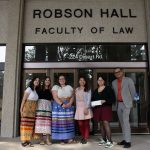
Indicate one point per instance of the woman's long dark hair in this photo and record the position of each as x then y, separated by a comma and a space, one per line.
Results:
104, 77
86, 89
31, 84
43, 86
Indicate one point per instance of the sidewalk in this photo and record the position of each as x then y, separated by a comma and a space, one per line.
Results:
139, 142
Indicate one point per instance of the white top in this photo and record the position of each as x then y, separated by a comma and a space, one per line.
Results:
32, 94
63, 92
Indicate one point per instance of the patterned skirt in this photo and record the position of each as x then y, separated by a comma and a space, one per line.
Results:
28, 120
43, 117
62, 122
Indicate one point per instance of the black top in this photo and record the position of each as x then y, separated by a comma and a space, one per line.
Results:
45, 94
107, 94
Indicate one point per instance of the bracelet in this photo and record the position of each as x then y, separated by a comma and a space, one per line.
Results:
61, 104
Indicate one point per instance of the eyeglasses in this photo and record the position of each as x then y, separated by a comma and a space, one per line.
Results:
100, 80
61, 79
117, 72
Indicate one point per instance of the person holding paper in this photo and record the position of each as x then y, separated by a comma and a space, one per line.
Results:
83, 112
102, 112
125, 91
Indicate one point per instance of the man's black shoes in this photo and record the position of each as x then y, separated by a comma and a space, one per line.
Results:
126, 144
121, 143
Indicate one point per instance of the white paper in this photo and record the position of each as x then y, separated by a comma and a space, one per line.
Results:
96, 103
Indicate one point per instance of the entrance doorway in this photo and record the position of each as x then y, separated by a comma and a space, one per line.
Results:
138, 116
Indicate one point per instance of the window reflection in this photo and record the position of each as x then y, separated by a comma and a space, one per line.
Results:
30, 53
1, 90
2, 53
85, 53
138, 52
2, 61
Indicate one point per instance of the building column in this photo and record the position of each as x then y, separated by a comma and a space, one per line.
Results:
147, 10
12, 75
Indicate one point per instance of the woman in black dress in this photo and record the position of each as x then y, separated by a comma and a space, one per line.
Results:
103, 113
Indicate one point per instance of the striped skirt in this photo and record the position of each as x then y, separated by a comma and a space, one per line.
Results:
43, 117
62, 122
28, 120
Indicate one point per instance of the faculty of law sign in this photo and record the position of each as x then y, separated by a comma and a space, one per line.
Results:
95, 21
81, 13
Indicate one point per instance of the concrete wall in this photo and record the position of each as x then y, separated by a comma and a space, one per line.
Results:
11, 90
3, 21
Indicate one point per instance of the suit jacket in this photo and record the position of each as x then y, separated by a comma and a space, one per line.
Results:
127, 91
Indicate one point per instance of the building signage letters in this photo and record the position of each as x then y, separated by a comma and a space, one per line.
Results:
82, 13
57, 14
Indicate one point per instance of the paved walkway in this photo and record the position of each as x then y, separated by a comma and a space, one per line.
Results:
139, 142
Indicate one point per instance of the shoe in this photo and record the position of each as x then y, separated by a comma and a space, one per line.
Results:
84, 141
48, 141
24, 144
62, 142
127, 145
121, 143
71, 141
109, 144
30, 144
102, 142
42, 142
81, 140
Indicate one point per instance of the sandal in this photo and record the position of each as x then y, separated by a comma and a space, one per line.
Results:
42, 142
48, 142
71, 141
62, 142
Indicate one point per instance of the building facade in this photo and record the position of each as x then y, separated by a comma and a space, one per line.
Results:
82, 37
